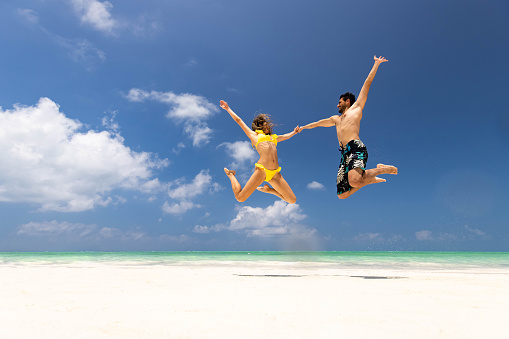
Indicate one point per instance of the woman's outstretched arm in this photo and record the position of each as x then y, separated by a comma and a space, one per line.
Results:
250, 133
288, 135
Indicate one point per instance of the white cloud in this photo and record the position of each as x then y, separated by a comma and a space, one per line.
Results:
201, 229
80, 51
115, 233
174, 238
201, 184
53, 228
208, 229
29, 15
51, 235
134, 235
184, 106
191, 63
98, 15
474, 232
279, 219
368, 237
110, 232
314, 185
179, 148
280, 222
189, 109
199, 132
110, 123
424, 235
95, 13
179, 208
48, 162
242, 153
465, 234
189, 106
138, 95
146, 25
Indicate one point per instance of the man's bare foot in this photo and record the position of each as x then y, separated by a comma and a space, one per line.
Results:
265, 188
228, 172
377, 180
388, 169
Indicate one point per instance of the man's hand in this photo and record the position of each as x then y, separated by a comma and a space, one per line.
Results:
224, 105
380, 59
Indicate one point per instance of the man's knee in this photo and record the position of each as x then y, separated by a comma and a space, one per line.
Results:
356, 182
343, 195
356, 179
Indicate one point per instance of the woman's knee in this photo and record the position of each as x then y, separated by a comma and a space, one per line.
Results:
292, 200
241, 197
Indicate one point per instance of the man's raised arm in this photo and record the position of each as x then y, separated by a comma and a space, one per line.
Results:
363, 95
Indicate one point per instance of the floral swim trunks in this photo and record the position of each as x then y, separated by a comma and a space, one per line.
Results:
353, 155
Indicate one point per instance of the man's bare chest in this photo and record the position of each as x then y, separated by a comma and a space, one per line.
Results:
346, 119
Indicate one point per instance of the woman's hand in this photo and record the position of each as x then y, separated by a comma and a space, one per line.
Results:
224, 105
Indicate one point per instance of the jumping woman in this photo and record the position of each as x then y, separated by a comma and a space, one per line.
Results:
267, 168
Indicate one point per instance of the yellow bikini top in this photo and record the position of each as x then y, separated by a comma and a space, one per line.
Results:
265, 137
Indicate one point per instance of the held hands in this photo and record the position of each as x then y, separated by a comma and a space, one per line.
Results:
380, 59
224, 105
289, 135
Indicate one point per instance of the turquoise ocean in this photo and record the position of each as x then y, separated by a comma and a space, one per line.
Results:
393, 260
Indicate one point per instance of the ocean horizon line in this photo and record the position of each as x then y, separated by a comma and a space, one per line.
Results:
263, 251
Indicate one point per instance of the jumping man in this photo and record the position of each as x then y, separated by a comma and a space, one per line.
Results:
352, 173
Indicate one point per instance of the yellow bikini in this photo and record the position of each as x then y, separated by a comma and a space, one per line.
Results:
265, 137
268, 173
272, 138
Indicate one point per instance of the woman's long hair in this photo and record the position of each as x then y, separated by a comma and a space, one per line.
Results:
261, 121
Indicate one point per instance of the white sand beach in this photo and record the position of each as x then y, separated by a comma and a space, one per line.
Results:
250, 300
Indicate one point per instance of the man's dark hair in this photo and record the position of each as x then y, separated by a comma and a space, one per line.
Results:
346, 96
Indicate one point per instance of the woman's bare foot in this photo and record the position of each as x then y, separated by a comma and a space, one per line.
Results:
388, 169
228, 172
265, 188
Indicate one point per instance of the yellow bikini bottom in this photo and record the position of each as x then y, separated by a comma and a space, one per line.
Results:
268, 173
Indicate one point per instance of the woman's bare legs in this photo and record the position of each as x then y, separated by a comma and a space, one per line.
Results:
241, 194
281, 189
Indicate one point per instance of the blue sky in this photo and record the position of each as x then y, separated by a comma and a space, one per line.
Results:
111, 135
